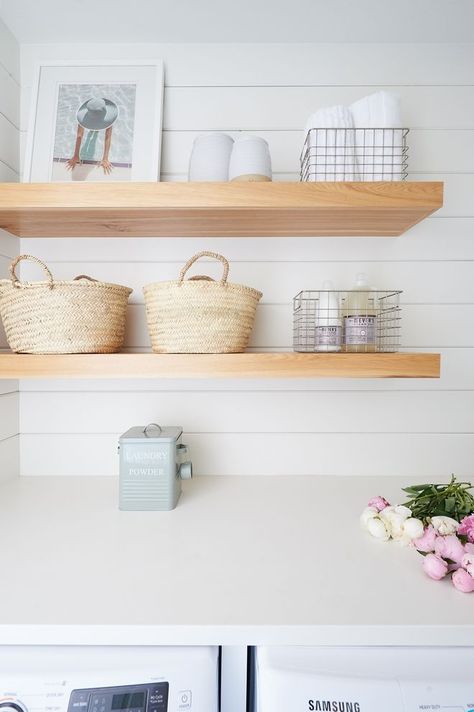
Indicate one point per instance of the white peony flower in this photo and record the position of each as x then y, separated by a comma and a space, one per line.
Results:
413, 528
377, 527
367, 514
394, 519
403, 511
392, 522
444, 525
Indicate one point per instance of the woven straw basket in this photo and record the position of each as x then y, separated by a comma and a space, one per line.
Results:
58, 317
200, 315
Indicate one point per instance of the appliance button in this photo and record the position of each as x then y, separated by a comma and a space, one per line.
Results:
185, 700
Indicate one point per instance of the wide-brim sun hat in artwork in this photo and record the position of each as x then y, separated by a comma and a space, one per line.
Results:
97, 114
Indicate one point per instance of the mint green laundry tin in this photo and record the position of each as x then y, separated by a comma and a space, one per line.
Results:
153, 461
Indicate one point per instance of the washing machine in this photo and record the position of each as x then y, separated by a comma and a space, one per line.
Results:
358, 679
109, 679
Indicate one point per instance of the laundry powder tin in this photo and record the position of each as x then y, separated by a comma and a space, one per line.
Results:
153, 461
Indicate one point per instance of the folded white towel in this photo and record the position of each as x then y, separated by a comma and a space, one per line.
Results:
331, 148
379, 111
379, 153
332, 117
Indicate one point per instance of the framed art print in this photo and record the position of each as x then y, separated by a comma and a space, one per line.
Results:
95, 121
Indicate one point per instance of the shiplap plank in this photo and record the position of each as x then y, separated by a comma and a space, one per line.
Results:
7, 387
397, 412
9, 144
458, 192
423, 326
430, 150
6, 243
7, 174
5, 258
9, 415
421, 282
9, 52
447, 239
287, 108
324, 64
9, 248
431, 455
9, 458
9, 97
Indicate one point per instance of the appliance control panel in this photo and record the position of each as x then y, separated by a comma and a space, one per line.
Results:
115, 678
151, 697
438, 696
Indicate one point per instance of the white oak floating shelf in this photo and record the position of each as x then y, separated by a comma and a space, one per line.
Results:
245, 365
235, 209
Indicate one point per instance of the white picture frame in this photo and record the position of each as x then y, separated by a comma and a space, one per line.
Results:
53, 121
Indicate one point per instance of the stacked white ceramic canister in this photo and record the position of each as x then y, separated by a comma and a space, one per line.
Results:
218, 157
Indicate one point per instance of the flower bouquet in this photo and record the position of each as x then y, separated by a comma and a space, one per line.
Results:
438, 521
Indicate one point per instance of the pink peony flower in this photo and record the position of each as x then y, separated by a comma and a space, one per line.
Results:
449, 547
378, 502
435, 567
466, 527
468, 563
426, 543
463, 581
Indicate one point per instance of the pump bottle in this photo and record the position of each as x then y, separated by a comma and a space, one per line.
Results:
360, 318
328, 330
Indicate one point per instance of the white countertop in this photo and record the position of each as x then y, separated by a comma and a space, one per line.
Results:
242, 560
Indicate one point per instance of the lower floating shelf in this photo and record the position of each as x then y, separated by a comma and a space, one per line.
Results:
245, 365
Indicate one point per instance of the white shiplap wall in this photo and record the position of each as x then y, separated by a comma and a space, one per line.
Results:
9, 171
406, 428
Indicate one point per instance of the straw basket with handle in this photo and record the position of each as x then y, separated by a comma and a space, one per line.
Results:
62, 317
200, 315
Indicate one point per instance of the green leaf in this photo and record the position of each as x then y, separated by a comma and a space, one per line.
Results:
453, 499
450, 504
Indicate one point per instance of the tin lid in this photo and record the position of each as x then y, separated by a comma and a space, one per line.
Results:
153, 431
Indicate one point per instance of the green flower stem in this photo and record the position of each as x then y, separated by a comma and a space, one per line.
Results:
449, 500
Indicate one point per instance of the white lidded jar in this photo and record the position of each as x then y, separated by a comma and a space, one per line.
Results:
250, 160
328, 329
210, 156
360, 318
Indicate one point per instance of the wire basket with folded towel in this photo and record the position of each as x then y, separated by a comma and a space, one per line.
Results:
362, 142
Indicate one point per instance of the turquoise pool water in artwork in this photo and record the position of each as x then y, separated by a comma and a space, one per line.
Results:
70, 98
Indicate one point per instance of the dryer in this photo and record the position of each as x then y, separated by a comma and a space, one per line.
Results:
362, 679
109, 679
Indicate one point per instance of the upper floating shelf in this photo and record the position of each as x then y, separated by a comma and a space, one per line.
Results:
379, 209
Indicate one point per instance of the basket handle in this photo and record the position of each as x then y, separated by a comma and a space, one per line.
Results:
215, 256
84, 276
16, 282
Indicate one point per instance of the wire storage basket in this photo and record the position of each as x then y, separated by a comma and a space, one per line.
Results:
355, 155
347, 321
